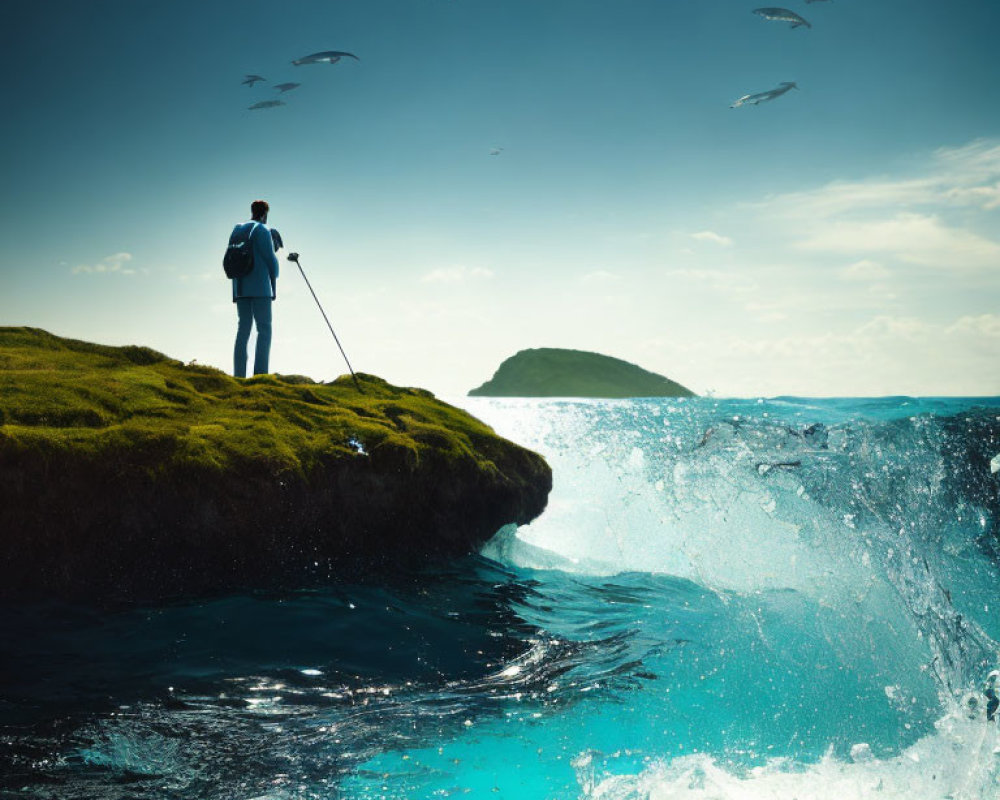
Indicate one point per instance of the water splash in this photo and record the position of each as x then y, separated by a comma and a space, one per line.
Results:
877, 515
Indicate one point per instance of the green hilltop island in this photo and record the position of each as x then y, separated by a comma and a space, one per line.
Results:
554, 372
127, 476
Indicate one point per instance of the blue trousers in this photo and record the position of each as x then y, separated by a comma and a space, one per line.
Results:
252, 311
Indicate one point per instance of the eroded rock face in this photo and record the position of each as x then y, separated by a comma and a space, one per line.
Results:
127, 476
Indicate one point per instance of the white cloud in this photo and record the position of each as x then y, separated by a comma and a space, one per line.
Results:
987, 197
712, 236
913, 238
111, 264
984, 326
864, 270
767, 312
719, 280
976, 162
968, 175
882, 355
844, 197
600, 276
459, 274
885, 355
936, 218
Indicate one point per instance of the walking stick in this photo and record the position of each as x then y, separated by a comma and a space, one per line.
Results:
295, 257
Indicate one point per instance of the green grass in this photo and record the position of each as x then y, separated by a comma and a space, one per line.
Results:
61, 395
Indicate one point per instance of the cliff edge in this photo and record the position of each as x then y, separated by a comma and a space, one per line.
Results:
128, 476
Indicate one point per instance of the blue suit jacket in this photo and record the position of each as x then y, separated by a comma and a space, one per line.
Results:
262, 280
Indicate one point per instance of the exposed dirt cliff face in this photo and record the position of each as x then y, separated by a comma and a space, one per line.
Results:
127, 476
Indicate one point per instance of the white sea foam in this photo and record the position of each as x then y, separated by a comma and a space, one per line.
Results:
960, 761
638, 500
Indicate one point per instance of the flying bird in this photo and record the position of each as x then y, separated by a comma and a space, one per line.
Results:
287, 87
782, 15
326, 57
763, 97
267, 104
252, 79
496, 151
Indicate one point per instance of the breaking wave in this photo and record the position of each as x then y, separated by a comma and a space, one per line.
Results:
875, 520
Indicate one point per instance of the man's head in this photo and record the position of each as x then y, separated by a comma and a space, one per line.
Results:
259, 209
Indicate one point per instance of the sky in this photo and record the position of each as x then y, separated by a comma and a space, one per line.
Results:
839, 240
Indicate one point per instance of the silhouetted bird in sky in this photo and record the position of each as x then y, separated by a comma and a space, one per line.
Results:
267, 104
782, 15
326, 57
763, 97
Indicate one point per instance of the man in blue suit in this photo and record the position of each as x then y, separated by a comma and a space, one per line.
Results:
254, 293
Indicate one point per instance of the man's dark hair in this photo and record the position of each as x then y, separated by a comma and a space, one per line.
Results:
258, 208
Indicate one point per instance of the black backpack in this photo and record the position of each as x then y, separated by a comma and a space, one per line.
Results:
238, 260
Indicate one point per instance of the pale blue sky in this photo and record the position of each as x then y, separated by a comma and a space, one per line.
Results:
842, 239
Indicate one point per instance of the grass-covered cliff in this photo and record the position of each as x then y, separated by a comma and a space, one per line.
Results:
554, 372
125, 474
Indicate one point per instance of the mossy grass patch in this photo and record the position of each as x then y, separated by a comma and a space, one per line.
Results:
62, 396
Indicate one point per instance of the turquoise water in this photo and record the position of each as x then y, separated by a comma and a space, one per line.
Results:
724, 599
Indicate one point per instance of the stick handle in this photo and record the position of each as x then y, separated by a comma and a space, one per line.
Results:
295, 257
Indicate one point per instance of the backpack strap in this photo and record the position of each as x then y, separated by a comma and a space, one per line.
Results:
239, 279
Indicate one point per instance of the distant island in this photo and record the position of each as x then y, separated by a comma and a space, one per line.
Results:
554, 372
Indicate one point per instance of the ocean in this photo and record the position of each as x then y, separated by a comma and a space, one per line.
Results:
778, 598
